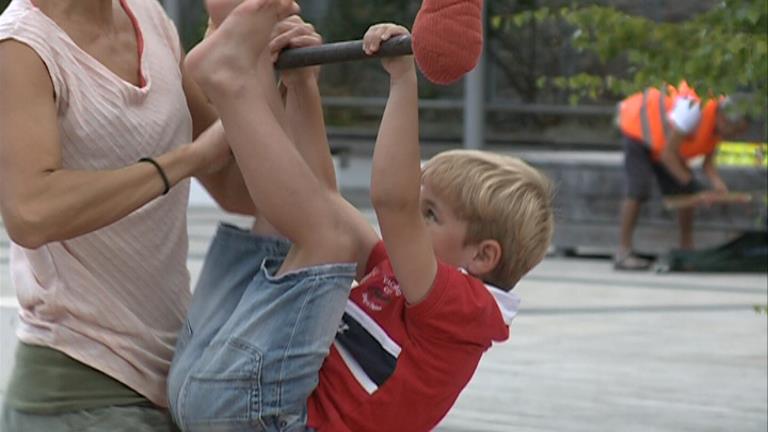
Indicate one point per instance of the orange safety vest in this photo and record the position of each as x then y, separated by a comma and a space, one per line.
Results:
643, 116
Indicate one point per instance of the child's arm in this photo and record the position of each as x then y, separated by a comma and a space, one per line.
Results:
396, 174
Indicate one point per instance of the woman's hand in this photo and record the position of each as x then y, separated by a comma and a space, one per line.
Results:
211, 150
397, 67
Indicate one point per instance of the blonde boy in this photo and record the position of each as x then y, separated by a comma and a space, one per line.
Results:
432, 296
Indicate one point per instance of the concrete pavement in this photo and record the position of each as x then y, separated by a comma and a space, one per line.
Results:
595, 350
598, 350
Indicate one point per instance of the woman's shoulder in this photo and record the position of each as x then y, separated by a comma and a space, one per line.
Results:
31, 43
24, 23
20, 17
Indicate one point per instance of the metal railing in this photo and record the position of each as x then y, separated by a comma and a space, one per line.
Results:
491, 106
350, 137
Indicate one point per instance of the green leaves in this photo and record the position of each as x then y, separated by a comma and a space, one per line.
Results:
721, 51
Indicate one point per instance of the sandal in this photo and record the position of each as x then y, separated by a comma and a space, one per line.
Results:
631, 261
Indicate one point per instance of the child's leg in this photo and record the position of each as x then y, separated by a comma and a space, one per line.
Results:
317, 220
219, 9
262, 364
231, 263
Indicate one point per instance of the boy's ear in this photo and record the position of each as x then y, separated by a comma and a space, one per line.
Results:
487, 257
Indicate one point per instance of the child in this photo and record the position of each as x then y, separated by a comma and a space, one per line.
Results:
415, 328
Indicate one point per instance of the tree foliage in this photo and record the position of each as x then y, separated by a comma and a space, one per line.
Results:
4, 4
720, 51
349, 19
524, 46
606, 49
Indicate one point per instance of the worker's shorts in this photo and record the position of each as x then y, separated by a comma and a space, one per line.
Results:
640, 169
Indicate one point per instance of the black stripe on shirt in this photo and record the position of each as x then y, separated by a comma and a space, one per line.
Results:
375, 361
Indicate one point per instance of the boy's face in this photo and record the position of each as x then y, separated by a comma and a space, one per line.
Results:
446, 229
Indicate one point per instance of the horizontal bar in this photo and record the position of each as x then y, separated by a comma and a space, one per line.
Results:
341, 52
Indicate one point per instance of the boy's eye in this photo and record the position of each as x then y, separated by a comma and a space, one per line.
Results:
429, 214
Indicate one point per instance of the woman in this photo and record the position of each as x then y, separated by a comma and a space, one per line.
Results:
100, 131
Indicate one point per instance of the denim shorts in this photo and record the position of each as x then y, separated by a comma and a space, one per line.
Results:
249, 353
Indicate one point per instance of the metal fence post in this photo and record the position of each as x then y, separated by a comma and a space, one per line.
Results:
474, 101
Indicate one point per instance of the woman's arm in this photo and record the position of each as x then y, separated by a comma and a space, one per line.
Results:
303, 107
672, 160
40, 201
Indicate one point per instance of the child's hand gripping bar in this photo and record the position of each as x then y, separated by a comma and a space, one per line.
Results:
341, 52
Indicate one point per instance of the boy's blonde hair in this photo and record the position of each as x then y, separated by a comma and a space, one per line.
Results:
501, 198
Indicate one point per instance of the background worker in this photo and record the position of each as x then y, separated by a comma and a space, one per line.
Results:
662, 130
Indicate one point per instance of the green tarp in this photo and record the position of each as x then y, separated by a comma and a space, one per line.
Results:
746, 253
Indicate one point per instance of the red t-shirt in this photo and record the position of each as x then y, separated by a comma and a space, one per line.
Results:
395, 367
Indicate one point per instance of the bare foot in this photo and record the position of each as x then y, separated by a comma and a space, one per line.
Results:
219, 9
223, 60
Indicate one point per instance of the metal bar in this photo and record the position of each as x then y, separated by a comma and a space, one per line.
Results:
474, 99
341, 52
474, 108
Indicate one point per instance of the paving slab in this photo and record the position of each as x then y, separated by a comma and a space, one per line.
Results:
594, 349
597, 350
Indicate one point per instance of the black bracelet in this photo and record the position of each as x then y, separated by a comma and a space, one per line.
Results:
160, 171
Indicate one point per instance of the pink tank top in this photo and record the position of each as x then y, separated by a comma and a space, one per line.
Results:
115, 298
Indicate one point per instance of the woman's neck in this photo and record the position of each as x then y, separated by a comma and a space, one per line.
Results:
95, 12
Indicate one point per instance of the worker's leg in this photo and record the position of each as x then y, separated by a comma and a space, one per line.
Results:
630, 210
637, 179
685, 223
670, 187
